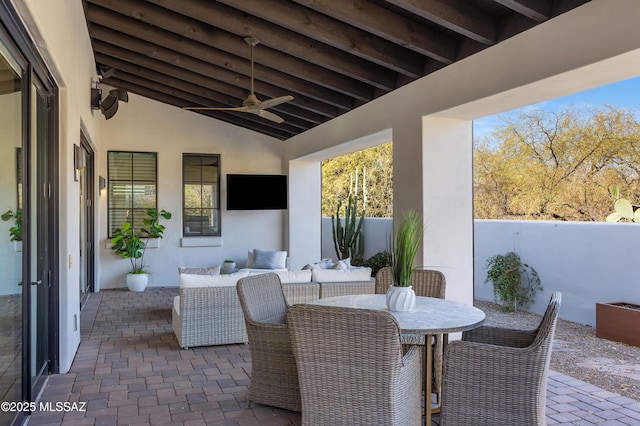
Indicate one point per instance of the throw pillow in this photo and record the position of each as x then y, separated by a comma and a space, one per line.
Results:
341, 266
280, 259
213, 270
264, 259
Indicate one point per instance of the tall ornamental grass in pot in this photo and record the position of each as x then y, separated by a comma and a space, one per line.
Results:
406, 242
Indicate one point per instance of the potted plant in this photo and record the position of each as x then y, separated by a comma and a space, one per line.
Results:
405, 243
132, 245
619, 321
229, 265
514, 283
15, 232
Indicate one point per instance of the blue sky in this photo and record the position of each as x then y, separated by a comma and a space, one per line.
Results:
623, 94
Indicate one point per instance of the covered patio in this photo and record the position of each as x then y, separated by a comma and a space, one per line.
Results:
116, 352
130, 370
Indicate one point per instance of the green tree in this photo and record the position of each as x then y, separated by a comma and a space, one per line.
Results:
338, 173
557, 166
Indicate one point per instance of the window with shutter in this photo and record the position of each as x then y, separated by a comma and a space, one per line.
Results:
132, 187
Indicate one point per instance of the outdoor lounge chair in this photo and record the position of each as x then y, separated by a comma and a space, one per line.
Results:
351, 367
274, 377
497, 376
427, 283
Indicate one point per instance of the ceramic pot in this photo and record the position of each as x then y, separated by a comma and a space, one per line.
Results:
401, 299
137, 282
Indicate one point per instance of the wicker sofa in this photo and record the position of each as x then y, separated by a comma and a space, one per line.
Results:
207, 311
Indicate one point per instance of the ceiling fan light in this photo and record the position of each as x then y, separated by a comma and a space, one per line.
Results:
120, 94
109, 106
106, 71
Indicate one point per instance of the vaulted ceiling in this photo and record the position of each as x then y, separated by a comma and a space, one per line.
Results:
330, 55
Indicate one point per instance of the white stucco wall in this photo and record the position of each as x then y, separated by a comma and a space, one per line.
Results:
145, 125
587, 262
377, 232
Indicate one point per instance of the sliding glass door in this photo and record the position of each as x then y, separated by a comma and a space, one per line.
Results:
11, 254
29, 213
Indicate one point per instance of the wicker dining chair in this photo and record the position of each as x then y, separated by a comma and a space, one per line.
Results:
497, 376
351, 367
274, 377
427, 283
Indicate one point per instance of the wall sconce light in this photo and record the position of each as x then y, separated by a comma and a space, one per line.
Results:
96, 96
102, 183
79, 161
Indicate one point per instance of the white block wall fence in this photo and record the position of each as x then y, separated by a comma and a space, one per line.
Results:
588, 262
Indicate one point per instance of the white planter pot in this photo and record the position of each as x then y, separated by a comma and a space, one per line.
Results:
401, 299
229, 266
137, 282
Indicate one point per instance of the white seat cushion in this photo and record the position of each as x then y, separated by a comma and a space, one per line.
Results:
193, 280
341, 275
176, 304
303, 276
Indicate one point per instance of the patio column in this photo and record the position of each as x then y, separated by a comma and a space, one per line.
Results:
305, 212
447, 181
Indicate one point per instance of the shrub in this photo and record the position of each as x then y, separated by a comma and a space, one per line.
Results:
378, 261
514, 283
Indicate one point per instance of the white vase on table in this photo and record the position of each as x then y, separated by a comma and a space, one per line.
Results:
401, 299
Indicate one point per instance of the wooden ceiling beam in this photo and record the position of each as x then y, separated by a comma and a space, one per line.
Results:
538, 10
173, 97
108, 25
148, 68
327, 30
134, 18
242, 24
148, 78
225, 81
215, 72
388, 25
455, 15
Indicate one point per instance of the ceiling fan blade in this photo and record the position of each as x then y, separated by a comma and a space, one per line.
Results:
252, 104
275, 101
266, 114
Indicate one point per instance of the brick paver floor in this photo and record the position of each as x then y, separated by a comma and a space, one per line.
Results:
129, 370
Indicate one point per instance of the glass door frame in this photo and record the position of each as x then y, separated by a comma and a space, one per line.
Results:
88, 211
18, 42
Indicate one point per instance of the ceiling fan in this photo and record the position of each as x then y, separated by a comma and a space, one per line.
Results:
252, 104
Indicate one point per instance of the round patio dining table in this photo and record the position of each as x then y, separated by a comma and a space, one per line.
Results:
430, 316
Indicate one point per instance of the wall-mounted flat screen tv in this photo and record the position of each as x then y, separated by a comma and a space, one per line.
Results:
256, 192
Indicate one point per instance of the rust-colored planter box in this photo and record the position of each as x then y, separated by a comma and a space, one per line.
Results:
618, 321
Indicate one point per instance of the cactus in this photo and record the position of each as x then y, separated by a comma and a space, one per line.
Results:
623, 209
348, 240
